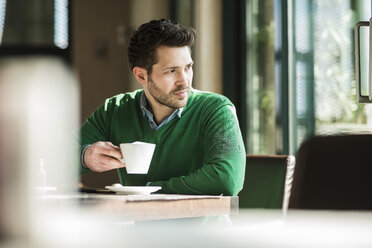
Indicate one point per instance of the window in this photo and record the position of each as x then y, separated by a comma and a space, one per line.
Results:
302, 53
261, 97
34, 23
324, 79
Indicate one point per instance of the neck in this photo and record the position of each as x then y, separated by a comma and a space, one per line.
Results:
161, 113
159, 110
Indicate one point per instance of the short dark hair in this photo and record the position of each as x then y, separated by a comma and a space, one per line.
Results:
151, 35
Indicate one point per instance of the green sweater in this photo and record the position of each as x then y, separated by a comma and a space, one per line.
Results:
200, 153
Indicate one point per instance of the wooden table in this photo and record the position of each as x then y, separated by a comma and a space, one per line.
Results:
154, 206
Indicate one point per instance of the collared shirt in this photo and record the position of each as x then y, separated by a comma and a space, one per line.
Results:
150, 116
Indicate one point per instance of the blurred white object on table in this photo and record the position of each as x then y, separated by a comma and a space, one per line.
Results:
39, 111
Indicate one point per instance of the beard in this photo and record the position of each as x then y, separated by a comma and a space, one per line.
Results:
169, 99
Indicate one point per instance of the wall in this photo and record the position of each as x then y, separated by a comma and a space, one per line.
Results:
208, 47
142, 11
100, 36
99, 49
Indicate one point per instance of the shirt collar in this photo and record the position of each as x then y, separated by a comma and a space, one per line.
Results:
145, 110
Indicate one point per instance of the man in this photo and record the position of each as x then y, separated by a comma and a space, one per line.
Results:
199, 147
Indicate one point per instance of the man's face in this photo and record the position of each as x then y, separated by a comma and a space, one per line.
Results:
170, 81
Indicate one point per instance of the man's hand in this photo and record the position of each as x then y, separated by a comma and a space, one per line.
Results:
103, 156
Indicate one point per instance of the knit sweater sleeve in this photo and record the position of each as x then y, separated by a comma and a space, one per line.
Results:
96, 127
224, 158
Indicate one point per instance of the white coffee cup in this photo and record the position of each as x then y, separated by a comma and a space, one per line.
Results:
137, 156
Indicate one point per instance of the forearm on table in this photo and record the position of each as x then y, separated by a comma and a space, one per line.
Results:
211, 179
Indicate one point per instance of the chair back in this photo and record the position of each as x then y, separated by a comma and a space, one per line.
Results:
334, 172
268, 181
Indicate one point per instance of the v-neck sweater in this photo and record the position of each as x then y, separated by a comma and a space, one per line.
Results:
200, 153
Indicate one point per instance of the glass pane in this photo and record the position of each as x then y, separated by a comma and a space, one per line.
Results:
304, 71
34, 23
364, 47
261, 77
325, 89
61, 23
363, 10
335, 101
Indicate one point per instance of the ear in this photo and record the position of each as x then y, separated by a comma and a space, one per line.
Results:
140, 74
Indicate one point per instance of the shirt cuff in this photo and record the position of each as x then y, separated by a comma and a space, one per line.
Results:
82, 157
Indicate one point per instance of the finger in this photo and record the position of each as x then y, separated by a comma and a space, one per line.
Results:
105, 163
112, 152
108, 143
112, 163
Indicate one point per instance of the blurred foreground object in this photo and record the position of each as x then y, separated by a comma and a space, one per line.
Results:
333, 172
39, 111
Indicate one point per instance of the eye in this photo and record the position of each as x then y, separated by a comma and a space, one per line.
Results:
171, 71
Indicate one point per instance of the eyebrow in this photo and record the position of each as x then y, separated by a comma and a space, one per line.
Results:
175, 67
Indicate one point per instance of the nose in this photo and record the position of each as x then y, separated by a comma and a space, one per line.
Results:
183, 78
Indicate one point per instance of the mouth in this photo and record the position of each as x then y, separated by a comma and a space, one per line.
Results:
181, 93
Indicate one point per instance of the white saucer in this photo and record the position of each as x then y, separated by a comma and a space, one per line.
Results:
133, 190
